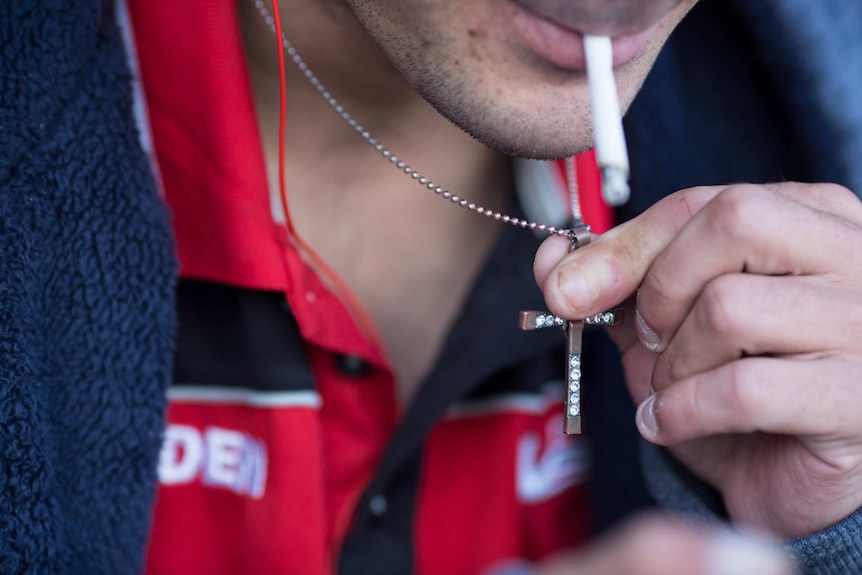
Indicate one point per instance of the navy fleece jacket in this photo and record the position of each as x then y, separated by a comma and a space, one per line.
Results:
746, 91
86, 288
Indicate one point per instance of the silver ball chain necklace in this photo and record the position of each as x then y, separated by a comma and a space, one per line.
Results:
402, 166
614, 179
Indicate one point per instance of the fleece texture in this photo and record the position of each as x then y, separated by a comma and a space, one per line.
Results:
86, 297
87, 264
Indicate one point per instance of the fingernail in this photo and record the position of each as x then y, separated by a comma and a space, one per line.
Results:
731, 554
646, 419
581, 282
648, 337
574, 286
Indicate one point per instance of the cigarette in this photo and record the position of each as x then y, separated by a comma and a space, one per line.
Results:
608, 135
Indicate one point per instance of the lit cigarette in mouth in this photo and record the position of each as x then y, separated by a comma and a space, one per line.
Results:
608, 135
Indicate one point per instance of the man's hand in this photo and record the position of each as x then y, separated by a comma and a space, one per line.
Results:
657, 545
749, 318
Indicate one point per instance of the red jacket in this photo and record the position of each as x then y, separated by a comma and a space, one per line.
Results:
286, 451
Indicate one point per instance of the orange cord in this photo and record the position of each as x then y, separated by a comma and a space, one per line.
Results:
282, 116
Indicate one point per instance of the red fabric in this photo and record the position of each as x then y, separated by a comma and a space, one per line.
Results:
213, 530
206, 140
208, 148
470, 504
357, 418
596, 213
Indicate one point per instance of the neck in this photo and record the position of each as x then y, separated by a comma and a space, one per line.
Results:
363, 80
392, 242
351, 66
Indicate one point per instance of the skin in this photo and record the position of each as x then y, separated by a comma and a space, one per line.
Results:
662, 545
479, 74
721, 342
757, 407
754, 353
610, 17
482, 78
333, 176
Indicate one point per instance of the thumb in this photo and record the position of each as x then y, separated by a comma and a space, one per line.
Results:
607, 271
658, 545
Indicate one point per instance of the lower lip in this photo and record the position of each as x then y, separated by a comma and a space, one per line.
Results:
564, 47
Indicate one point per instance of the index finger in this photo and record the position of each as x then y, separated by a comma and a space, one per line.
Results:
604, 273
763, 230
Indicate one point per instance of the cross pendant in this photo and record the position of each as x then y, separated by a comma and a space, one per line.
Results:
533, 320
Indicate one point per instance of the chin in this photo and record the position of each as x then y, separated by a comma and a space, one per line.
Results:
526, 116
522, 107
474, 64
532, 146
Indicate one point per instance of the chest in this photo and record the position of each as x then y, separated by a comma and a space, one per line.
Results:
410, 273
263, 432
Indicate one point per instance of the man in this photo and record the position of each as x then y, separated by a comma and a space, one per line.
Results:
413, 435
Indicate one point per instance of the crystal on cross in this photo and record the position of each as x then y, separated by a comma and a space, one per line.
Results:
533, 320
